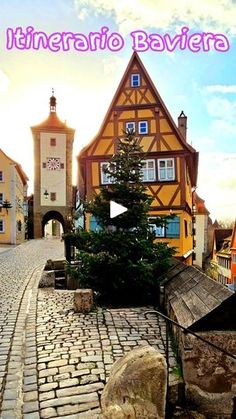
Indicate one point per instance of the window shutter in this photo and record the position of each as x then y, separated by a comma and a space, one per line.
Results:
94, 226
173, 227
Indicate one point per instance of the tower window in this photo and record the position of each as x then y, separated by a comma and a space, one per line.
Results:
62, 165
44, 165
1, 198
53, 196
53, 141
1, 176
135, 80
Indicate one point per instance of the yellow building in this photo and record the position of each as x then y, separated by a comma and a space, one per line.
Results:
13, 189
170, 163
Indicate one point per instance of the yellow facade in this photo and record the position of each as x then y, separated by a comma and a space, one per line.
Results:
174, 162
13, 188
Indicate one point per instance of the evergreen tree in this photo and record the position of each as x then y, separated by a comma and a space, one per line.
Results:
121, 261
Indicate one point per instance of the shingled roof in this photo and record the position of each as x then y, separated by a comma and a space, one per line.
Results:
191, 295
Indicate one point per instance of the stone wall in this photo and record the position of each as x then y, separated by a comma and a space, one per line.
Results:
210, 375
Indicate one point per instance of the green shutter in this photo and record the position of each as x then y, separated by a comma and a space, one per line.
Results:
173, 227
94, 226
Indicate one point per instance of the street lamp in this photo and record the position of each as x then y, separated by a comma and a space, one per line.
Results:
46, 194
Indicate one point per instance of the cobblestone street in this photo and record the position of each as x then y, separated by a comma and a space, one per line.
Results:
55, 362
20, 270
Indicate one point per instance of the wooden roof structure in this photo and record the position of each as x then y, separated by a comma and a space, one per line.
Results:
197, 301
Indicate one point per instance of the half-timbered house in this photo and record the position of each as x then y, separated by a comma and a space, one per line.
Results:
169, 165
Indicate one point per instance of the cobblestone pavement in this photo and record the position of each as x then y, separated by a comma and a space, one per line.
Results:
19, 273
76, 351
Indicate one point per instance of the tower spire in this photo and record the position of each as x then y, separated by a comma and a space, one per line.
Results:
53, 102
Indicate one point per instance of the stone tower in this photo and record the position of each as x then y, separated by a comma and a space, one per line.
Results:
53, 197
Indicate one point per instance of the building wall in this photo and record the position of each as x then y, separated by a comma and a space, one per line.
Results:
15, 192
201, 238
59, 182
161, 142
53, 180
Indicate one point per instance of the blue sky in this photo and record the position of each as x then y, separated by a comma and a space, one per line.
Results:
202, 84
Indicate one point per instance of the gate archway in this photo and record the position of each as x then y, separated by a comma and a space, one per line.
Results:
53, 216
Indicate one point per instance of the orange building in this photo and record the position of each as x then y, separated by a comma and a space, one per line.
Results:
169, 165
233, 257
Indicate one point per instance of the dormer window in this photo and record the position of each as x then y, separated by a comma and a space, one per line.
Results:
52, 142
135, 80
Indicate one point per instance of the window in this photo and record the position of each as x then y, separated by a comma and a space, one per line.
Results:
135, 80
171, 230
19, 225
53, 196
93, 224
143, 127
53, 142
44, 165
185, 228
62, 166
105, 177
1, 176
148, 171
234, 257
130, 126
2, 227
166, 169
1, 198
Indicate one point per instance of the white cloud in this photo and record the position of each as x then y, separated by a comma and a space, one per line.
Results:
4, 82
221, 88
217, 184
113, 64
208, 15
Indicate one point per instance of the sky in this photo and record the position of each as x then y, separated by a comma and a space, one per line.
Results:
203, 83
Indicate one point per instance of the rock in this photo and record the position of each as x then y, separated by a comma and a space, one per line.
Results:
47, 279
136, 388
83, 300
71, 282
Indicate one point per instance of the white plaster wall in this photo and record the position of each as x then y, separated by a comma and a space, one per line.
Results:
53, 180
200, 236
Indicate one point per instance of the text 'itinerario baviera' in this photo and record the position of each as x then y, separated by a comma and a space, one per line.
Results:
30, 39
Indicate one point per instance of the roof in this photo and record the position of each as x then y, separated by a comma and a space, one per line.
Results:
193, 162
52, 123
233, 241
220, 235
18, 166
191, 294
200, 205
225, 249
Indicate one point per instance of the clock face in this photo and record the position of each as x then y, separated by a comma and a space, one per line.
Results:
53, 163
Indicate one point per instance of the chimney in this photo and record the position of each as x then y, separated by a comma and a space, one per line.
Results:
182, 124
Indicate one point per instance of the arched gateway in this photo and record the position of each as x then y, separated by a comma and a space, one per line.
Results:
53, 216
53, 192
